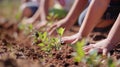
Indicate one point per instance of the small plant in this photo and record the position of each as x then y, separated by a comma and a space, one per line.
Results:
48, 43
56, 14
111, 62
79, 55
51, 17
93, 59
26, 28
60, 31
18, 15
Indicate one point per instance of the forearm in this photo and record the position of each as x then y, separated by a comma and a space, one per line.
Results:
37, 13
75, 11
114, 33
44, 9
96, 10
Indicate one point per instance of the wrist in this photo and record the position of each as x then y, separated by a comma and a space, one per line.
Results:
32, 19
79, 35
61, 23
111, 42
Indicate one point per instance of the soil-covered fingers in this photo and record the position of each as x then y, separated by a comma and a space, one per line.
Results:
105, 51
74, 41
52, 30
91, 47
71, 39
68, 40
39, 25
87, 48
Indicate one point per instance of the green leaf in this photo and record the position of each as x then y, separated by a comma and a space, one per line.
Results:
18, 15
40, 35
55, 40
111, 63
44, 36
51, 14
77, 59
56, 15
21, 26
41, 44
44, 49
60, 31
48, 17
59, 12
30, 26
79, 49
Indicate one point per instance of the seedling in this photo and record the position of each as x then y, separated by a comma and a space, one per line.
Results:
79, 51
93, 59
48, 43
26, 28
111, 63
60, 31
18, 15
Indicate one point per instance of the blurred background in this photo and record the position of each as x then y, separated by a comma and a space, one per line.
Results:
9, 9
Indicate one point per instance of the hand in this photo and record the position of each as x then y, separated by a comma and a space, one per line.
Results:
52, 29
28, 21
72, 39
103, 47
41, 24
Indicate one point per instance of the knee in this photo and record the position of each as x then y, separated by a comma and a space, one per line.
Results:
27, 12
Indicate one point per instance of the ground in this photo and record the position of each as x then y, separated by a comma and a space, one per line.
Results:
17, 50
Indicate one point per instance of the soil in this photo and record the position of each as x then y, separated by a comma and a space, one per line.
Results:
17, 50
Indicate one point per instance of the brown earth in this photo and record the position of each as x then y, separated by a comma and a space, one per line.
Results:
17, 50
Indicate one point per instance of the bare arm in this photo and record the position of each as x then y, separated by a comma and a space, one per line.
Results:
74, 12
42, 10
95, 11
110, 42
71, 17
114, 33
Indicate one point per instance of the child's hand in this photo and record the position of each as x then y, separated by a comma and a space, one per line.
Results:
30, 20
71, 39
52, 29
41, 24
103, 47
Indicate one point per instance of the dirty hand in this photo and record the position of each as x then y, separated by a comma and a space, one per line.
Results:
52, 29
28, 21
103, 47
41, 24
71, 39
